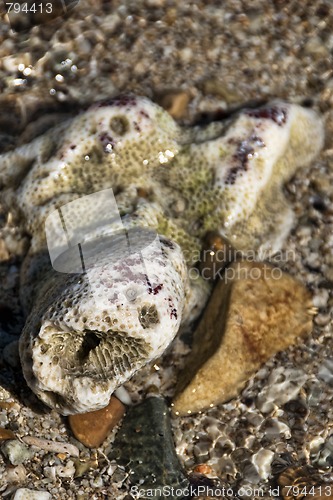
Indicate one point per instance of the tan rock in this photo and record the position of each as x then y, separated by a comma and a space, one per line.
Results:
6, 434
93, 427
8, 405
176, 104
255, 311
4, 254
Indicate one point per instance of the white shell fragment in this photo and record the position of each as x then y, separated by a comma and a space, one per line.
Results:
107, 309
48, 445
25, 493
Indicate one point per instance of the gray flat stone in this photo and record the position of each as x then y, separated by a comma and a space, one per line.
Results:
144, 445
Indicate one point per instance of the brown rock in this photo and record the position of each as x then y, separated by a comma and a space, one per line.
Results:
176, 104
7, 405
6, 434
255, 311
203, 469
93, 427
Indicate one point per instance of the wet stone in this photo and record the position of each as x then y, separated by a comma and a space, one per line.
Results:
144, 445
325, 371
203, 469
92, 428
6, 434
15, 475
255, 311
325, 456
176, 104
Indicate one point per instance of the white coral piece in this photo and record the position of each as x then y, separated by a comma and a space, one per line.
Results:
84, 336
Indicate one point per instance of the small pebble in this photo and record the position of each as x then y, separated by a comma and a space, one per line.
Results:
82, 466
15, 474
325, 371
176, 104
6, 434
123, 396
322, 319
92, 428
321, 297
283, 385
262, 461
325, 456
26, 494
67, 470
7, 405
203, 469
16, 452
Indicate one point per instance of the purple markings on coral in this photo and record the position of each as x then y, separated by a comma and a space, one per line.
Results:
276, 113
244, 151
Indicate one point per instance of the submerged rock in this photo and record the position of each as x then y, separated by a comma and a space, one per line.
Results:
255, 311
144, 444
92, 428
324, 457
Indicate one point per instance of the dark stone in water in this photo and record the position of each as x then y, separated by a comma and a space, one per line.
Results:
144, 445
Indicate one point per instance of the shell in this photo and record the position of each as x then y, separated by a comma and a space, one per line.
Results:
101, 312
